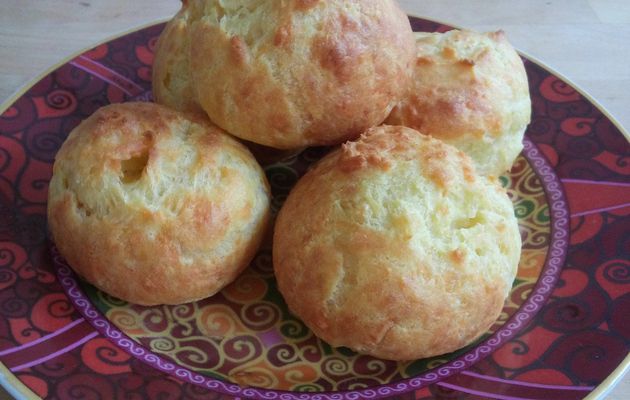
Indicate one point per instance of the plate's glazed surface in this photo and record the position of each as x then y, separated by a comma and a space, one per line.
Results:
564, 328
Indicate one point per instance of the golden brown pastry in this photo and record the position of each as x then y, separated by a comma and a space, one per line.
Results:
394, 246
153, 207
289, 74
171, 68
470, 90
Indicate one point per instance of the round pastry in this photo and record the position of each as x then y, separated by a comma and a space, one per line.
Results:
393, 246
289, 74
171, 69
153, 207
470, 90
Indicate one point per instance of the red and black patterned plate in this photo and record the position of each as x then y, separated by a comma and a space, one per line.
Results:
563, 331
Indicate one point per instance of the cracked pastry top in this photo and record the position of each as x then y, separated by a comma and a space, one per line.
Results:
154, 207
394, 246
286, 74
470, 90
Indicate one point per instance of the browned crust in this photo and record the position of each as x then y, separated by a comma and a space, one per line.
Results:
361, 281
317, 74
171, 69
173, 233
468, 87
456, 93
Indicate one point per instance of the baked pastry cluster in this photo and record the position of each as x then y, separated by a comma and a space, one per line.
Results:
399, 243
393, 246
156, 208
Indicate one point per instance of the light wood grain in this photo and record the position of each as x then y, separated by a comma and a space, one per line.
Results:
588, 41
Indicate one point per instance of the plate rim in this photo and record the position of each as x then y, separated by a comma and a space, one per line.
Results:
28, 85
15, 387
12, 384
607, 385
543, 288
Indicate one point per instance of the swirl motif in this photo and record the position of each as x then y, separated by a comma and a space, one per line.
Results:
248, 288
199, 354
102, 356
6, 159
584, 351
43, 140
530, 206
60, 308
61, 100
154, 319
12, 306
235, 319
258, 377
561, 117
164, 390
618, 272
262, 263
7, 256
281, 177
7, 278
154, 360
184, 311
60, 366
183, 328
52, 312
294, 329
282, 354
336, 366
578, 126
162, 344
242, 348
301, 375
556, 90
523, 208
260, 316
569, 109
543, 226
85, 386
218, 321
541, 127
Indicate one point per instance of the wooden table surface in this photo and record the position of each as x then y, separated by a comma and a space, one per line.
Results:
587, 41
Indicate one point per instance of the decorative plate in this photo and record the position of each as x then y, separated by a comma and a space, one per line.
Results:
563, 331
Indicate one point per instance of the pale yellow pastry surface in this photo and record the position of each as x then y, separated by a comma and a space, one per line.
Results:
394, 246
154, 207
470, 90
287, 74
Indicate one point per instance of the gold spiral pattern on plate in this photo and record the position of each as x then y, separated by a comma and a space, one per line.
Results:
246, 334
